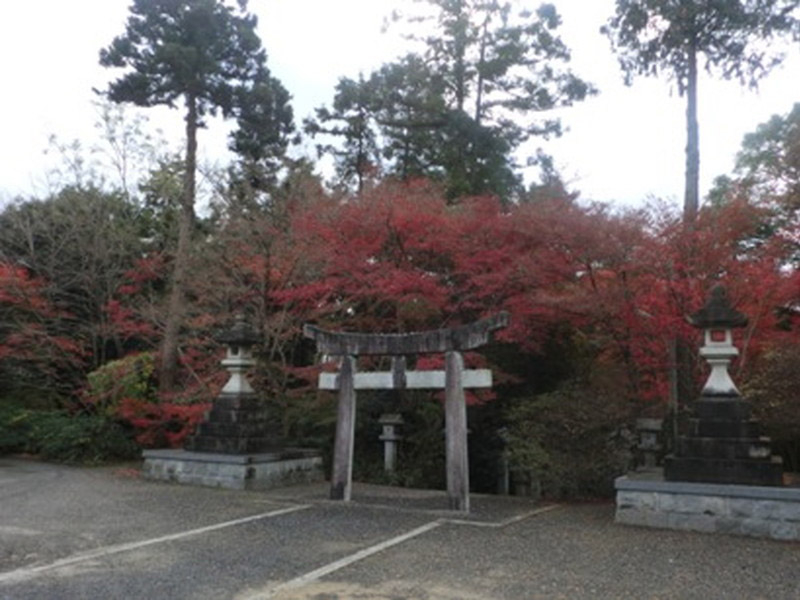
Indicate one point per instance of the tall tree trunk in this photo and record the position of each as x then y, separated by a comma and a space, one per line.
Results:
691, 198
177, 296
681, 369
459, 56
481, 60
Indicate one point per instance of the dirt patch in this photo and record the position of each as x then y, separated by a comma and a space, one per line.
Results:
391, 590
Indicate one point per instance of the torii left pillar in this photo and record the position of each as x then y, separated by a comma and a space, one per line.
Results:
342, 476
455, 425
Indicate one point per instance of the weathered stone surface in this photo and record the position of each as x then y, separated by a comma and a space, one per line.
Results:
238, 402
467, 337
229, 444
242, 472
710, 447
732, 509
692, 522
648, 501
222, 415
732, 407
724, 445
784, 531
249, 429
412, 380
724, 428
723, 470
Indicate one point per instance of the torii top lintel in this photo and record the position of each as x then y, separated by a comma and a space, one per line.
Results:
466, 337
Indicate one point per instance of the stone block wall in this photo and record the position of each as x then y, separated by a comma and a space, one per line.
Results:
759, 511
237, 472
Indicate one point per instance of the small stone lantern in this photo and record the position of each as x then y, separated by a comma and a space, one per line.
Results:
718, 319
240, 340
390, 438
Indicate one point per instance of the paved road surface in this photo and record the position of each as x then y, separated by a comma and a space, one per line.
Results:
69, 533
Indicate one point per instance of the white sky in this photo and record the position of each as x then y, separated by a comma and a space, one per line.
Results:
624, 145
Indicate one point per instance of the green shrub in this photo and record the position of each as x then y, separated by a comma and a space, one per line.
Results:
131, 377
774, 389
14, 428
572, 442
125, 391
79, 438
421, 451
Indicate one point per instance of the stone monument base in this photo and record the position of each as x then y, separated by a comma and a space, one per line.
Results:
762, 511
647, 500
260, 471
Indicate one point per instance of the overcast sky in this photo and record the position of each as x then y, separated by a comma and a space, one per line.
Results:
622, 146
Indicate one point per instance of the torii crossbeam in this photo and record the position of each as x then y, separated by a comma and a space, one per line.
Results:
454, 379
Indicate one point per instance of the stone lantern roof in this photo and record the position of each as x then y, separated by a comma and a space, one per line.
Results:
717, 312
240, 334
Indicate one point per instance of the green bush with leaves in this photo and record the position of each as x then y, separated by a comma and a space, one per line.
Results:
131, 377
774, 390
86, 439
421, 451
573, 441
14, 428
64, 437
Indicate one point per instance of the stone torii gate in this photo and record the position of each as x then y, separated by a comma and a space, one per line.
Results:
454, 380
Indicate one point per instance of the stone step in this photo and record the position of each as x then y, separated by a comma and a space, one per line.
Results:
237, 401
211, 428
719, 470
722, 408
223, 415
727, 448
228, 445
724, 428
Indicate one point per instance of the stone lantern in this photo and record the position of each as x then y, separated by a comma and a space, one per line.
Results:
237, 422
723, 443
718, 320
240, 340
390, 438
236, 446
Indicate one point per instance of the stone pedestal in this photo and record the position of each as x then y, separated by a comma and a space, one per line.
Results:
724, 445
260, 471
236, 424
646, 500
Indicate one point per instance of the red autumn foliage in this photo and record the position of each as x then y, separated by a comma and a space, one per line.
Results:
32, 335
163, 424
400, 257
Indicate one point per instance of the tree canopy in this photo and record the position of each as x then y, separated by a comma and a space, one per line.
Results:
729, 37
457, 110
197, 51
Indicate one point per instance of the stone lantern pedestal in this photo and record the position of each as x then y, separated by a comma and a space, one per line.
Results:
233, 447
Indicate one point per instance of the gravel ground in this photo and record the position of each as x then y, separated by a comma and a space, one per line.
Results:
104, 533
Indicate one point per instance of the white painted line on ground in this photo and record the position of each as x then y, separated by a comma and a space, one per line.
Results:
343, 562
25, 573
11, 530
507, 522
321, 572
